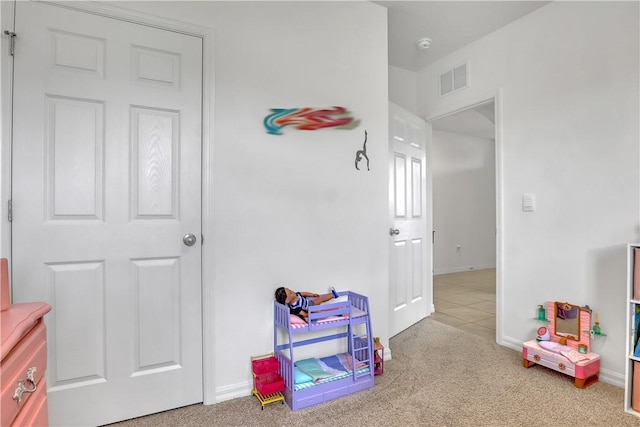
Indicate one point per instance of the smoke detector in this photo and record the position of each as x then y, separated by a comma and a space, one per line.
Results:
424, 43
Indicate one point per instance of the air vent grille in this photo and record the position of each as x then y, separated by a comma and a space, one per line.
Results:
454, 79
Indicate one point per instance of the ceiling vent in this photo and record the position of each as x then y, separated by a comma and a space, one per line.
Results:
454, 79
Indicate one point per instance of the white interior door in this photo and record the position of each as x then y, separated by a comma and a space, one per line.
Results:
411, 281
106, 182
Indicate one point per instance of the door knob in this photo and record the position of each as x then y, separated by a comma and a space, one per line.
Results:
189, 239
393, 231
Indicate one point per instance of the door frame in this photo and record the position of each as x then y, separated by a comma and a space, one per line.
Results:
496, 97
6, 119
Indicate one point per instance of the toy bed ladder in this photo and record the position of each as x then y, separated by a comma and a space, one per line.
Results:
361, 346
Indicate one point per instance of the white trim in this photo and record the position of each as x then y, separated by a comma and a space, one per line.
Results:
496, 97
459, 109
611, 377
233, 391
207, 286
6, 124
462, 269
463, 104
499, 217
109, 10
208, 318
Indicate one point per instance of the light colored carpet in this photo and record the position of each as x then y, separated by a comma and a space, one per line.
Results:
439, 376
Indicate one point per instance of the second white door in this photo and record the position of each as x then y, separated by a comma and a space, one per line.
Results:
106, 182
411, 248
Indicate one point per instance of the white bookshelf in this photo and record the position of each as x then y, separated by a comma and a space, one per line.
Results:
633, 301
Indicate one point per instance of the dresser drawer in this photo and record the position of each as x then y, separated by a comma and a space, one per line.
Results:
35, 412
30, 352
552, 361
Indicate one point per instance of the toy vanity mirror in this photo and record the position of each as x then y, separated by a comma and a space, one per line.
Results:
568, 324
567, 321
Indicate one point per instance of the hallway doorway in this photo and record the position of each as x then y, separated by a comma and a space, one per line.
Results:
464, 219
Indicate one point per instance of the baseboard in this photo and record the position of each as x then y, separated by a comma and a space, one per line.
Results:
387, 354
233, 391
461, 269
613, 378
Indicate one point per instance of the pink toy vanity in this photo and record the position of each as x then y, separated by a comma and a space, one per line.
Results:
566, 344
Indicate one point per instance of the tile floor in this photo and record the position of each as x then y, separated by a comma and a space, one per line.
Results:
467, 301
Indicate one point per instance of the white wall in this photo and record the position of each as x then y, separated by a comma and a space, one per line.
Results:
403, 89
464, 202
567, 75
292, 209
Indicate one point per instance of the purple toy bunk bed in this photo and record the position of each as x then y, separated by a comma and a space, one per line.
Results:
315, 380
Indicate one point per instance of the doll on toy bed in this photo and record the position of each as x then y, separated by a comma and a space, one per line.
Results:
299, 302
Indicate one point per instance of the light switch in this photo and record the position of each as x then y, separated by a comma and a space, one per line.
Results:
528, 202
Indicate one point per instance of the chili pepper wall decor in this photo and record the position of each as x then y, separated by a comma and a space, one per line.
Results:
309, 119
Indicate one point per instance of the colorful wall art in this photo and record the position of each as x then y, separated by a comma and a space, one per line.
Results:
309, 119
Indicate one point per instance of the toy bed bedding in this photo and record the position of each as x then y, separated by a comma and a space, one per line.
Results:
314, 371
297, 322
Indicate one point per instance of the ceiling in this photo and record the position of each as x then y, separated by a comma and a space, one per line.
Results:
449, 24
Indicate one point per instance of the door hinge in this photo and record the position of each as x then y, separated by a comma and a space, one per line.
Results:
12, 43
10, 210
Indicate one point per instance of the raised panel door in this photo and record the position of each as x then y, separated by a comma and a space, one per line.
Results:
410, 253
106, 182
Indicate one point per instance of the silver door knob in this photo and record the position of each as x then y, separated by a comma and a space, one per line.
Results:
393, 231
189, 239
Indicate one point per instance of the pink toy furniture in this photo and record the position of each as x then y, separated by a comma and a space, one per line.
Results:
378, 358
23, 396
586, 370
